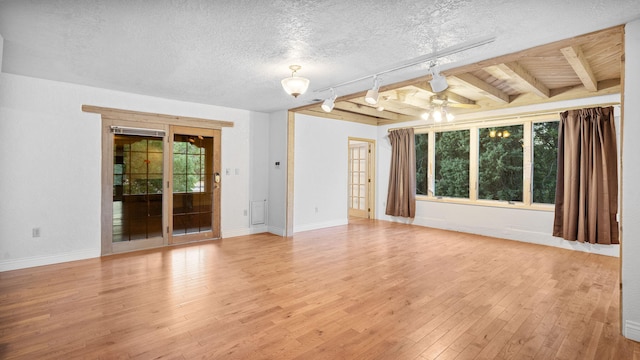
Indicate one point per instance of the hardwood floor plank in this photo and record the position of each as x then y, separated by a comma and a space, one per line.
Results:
367, 290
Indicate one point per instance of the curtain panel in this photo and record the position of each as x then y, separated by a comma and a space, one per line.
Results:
587, 180
401, 196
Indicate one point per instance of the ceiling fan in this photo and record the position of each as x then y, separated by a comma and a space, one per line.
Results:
442, 100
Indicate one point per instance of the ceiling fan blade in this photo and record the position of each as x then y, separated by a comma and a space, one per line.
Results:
463, 106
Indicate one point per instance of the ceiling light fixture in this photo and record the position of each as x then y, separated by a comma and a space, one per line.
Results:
295, 85
329, 103
438, 82
437, 114
372, 95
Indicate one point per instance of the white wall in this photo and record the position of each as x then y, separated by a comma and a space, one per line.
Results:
534, 226
259, 163
50, 156
277, 210
630, 178
1, 51
321, 169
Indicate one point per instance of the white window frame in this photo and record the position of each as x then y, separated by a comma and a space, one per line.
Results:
474, 151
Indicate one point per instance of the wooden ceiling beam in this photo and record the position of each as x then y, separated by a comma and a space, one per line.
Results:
581, 66
516, 71
459, 99
370, 111
341, 115
488, 90
393, 106
406, 97
602, 35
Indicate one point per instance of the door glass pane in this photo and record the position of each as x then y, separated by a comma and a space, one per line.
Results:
137, 188
192, 184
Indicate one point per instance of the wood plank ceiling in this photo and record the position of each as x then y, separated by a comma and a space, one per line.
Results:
579, 67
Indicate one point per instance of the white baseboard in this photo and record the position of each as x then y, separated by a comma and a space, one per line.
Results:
15, 264
245, 231
259, 229
632, 330
235, 232
533, 237
321, 225
276, 230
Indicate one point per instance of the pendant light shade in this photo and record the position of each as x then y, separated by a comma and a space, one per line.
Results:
295, 85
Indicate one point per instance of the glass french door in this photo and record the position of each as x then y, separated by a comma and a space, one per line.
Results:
137, 189
360, 179
195, 184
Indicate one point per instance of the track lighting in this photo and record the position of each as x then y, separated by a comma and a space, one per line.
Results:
329, 103
372, 95
295, 85
438, 82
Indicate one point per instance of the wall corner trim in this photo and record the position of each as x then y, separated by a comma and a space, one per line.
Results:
632, 330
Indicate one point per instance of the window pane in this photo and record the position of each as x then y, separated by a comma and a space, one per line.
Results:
422, 163
545, 161
500, 168
452, 164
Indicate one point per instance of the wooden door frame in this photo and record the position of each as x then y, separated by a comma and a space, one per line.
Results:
107, 245
137, 119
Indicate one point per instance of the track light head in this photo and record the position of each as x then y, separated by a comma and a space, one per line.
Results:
329, 103
438, 82
372, 95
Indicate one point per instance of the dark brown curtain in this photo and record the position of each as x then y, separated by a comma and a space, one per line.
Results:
587, 185
401, 197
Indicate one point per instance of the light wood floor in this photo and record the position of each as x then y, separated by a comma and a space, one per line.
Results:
369, 290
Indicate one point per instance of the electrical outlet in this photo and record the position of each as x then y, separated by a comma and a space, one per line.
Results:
245, 212
316, 209
35, 232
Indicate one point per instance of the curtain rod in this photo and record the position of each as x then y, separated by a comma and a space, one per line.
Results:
505, 117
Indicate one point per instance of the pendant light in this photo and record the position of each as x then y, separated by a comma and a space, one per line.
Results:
295, 85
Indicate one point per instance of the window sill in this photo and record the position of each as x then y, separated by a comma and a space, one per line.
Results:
488, 203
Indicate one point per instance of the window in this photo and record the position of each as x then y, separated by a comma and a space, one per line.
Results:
545, 161
422, 164
452, 164
510, 162
500, 163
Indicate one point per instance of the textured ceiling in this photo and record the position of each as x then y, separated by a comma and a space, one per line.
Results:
234, 53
